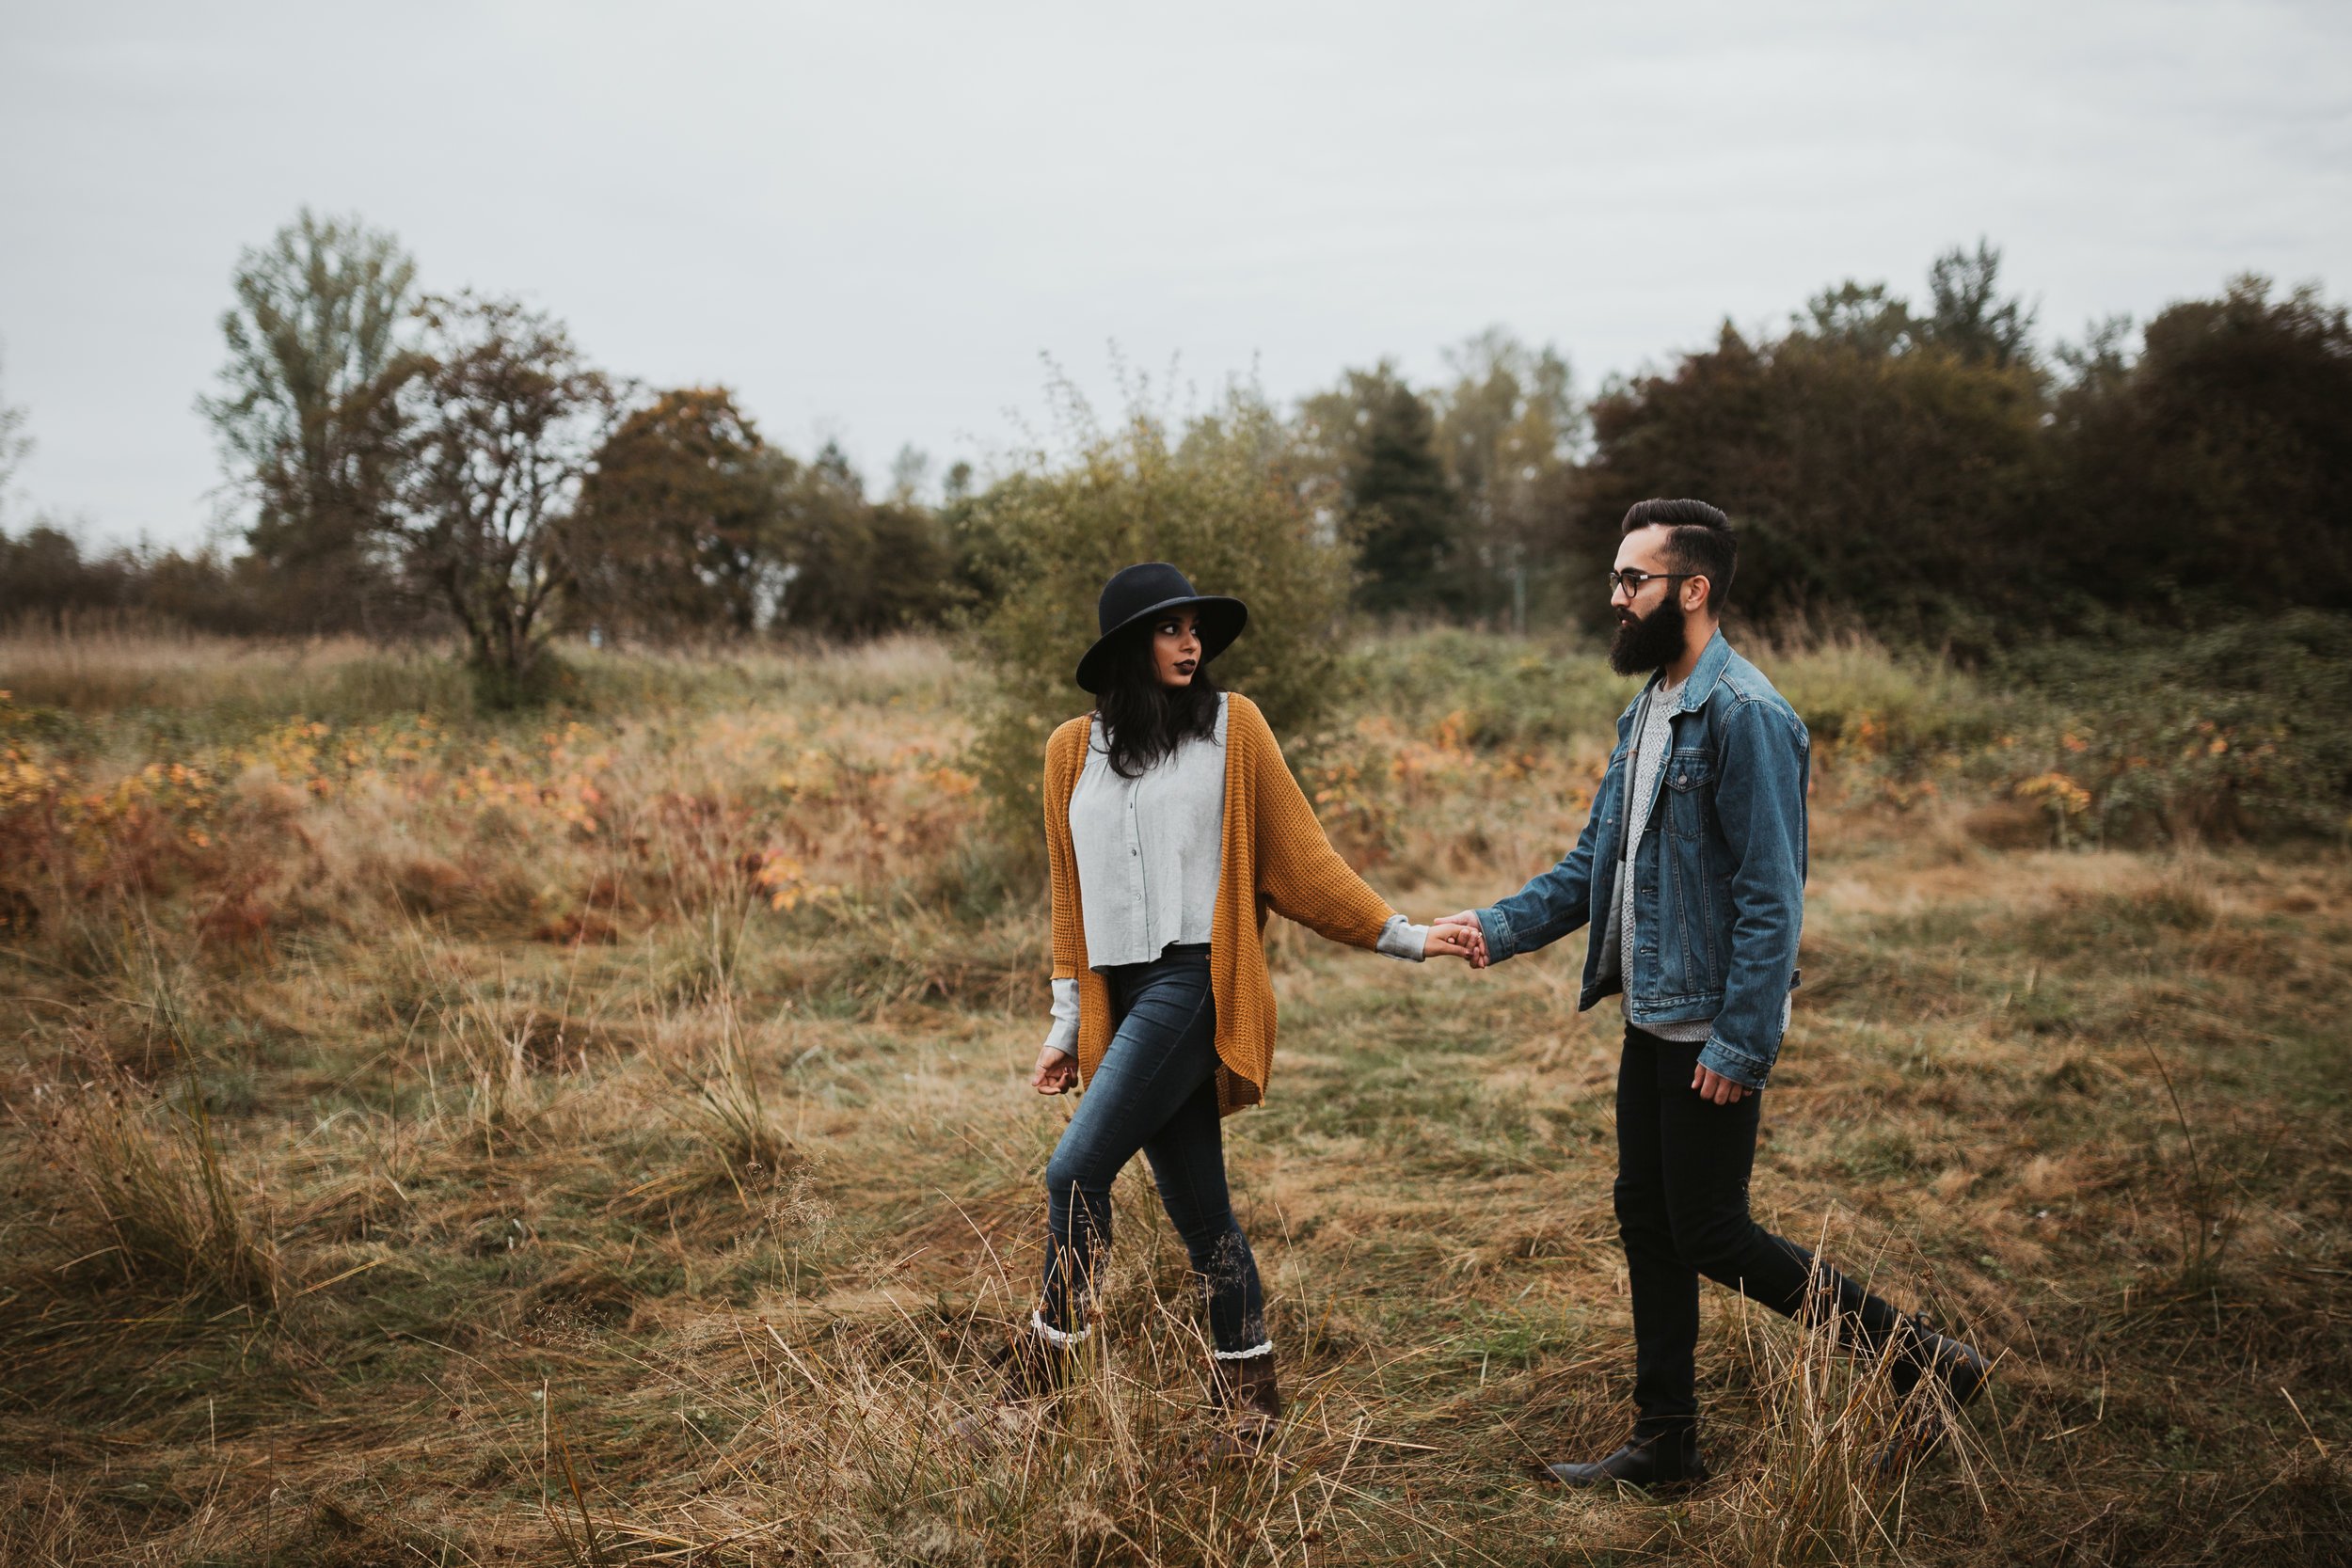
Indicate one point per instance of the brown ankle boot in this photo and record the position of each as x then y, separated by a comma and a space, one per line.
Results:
1249, 1400
1032, 1368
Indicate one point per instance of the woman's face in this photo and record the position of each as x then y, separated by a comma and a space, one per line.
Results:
1176, 647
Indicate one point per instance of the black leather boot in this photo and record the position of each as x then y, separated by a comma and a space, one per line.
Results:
1923, 1419
1961, 1367
1664, 1462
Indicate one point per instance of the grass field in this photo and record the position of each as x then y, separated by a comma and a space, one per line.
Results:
601, 1136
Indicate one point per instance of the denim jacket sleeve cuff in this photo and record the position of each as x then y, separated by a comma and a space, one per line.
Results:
1726, 1060
1501, 943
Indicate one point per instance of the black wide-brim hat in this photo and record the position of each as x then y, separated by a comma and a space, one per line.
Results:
1140, 593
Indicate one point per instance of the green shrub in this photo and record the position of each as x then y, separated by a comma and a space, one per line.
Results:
1905, 707
1508, 692
2133, 736
1219, 504
2237, 730
1499, 691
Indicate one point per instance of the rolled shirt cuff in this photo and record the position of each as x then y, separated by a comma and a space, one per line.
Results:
1401, 939
1063, 1036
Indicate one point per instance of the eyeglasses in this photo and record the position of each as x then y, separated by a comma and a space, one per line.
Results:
1633, 580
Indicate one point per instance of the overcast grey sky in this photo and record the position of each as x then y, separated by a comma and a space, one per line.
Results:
872, 220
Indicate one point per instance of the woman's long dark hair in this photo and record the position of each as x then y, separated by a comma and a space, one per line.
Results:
1148, 719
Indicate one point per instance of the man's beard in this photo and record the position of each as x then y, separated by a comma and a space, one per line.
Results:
1651, 641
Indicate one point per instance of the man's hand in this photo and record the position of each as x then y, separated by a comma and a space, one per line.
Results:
1463, 929
1716, 1088
1057, 1071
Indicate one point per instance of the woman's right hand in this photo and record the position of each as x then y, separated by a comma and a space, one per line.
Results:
1057, 1071
1453, 941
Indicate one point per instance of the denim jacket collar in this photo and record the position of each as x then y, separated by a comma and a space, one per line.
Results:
1703, 674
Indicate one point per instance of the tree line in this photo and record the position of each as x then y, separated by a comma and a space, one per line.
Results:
407, 464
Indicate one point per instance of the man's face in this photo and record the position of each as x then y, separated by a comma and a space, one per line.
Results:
1651, 630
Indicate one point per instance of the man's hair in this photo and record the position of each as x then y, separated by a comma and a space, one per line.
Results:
1698, 539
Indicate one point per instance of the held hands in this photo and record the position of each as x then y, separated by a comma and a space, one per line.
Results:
1452, 941
1459, 936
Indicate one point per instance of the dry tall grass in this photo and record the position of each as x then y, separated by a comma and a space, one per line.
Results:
599, 1138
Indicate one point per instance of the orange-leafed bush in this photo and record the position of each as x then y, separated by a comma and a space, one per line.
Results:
567, 829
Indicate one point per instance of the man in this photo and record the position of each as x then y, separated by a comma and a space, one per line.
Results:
1695, 895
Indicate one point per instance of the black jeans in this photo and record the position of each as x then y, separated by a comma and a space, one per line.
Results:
1682, 1211
1154, 1091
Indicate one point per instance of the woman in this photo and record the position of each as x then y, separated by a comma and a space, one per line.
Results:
1171, 827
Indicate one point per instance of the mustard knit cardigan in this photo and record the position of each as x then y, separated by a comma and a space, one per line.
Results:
1274, 856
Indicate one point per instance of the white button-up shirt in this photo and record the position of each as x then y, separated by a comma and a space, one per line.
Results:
1148, 847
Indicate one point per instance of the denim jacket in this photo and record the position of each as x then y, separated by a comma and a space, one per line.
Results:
1719, 878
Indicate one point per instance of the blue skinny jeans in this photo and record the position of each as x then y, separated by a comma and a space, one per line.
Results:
1154, 1091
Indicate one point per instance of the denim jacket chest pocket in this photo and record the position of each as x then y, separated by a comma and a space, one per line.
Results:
1690, 793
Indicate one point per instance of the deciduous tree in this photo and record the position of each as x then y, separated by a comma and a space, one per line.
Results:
320, 346
1971, 317
504, 423
854, 568
677, 533
1875, 472
1507, 430
2215, 468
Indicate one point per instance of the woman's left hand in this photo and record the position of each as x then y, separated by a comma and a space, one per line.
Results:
1057, 1071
